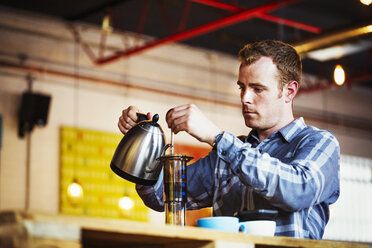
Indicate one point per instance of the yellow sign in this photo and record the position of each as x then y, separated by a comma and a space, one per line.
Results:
85, 161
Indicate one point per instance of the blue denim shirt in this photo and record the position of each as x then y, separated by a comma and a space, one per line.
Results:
295, 170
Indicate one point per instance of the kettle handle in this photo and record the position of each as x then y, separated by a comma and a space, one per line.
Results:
143, 117
149, 170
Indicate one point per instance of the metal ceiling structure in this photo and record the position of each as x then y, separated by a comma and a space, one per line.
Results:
239, 15
226, 25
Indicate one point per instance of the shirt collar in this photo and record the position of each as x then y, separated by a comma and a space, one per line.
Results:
292, 129
253, 138
288, 132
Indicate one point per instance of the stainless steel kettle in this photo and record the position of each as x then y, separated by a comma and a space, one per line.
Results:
135, 158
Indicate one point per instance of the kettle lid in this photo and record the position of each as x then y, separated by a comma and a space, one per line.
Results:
149, 125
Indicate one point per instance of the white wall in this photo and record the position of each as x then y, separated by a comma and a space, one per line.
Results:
351, 215
91, 104
206, 77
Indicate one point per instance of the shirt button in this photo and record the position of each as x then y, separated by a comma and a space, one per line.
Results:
224, 153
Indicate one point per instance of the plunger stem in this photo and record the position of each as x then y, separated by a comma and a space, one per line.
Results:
172, 143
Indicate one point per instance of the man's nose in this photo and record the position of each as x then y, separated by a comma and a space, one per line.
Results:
246, 96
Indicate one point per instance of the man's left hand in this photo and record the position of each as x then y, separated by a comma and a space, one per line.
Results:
190, 119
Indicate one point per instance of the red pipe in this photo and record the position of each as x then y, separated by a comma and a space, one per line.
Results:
261, 15
38, 69
143, 16
235, 18
220, 5
185, 14
290, 23
166, 17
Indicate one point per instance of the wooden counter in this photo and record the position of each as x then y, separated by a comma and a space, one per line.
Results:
72, 231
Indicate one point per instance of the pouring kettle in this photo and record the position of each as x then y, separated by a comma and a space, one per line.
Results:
135, 158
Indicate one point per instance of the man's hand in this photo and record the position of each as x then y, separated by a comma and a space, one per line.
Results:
190, 119
129, 119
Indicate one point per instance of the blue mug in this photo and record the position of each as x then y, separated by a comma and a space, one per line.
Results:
221, 223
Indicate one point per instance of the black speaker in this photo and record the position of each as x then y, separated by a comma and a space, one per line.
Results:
33, 111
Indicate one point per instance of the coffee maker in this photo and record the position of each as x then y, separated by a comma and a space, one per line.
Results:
140, 157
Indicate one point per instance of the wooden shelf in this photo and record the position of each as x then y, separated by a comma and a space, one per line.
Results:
99, 232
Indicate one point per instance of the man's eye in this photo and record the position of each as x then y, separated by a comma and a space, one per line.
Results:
241, 88
258, 90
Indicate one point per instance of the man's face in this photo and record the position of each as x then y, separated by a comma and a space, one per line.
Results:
262, 101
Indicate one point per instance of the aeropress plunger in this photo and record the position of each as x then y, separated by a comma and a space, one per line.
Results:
175, 186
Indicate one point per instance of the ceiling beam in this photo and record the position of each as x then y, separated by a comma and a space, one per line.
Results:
262, 15
333, 38
220, 23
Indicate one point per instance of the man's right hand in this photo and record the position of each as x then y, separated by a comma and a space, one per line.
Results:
129, 118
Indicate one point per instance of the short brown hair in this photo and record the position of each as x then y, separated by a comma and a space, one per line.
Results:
287, 60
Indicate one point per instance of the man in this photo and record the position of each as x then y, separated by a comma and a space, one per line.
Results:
283, 164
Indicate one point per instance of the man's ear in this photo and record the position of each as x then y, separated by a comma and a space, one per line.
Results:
290, 91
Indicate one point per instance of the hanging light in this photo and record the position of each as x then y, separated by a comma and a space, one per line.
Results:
339, 75
106, 24
366, 2
75, 190
126, 203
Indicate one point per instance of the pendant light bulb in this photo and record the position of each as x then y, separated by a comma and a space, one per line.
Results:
106, 24
339, 75
126, 203
75, 190
366, 2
